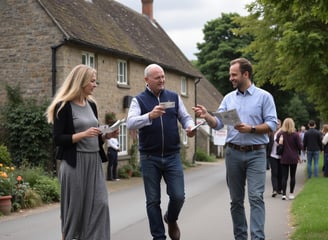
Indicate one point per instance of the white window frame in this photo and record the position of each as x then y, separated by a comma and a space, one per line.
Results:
184, 137
88, 59
123, 140
183, 86
122, 72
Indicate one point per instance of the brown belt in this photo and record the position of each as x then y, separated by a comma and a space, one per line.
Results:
246, 148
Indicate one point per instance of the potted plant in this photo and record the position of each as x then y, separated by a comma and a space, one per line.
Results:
110, 118
7, 184
125, 171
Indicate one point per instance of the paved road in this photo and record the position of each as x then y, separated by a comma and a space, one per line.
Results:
205, 214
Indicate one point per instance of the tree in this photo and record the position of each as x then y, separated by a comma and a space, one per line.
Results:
221, 45
297, 111
290, 46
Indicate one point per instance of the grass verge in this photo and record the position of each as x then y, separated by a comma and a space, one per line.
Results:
310, 210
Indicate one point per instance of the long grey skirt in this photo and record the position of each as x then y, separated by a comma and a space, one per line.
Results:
84, 199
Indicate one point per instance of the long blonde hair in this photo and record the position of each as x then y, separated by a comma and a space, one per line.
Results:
325, 128
288, 125
71, 89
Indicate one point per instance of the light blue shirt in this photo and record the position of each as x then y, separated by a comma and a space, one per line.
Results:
255, 106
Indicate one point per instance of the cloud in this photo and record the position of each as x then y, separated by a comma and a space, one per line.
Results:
184, 20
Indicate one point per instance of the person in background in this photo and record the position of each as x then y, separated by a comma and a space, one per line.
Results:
84, 209
312, 145
275, 163
290, 156
113, 148
325, 149
245, 146
156, 112
301, 133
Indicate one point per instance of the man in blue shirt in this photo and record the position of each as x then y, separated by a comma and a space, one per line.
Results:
245, 146
155, 112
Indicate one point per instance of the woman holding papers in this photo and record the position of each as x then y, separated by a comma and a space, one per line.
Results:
245, 145
84, 207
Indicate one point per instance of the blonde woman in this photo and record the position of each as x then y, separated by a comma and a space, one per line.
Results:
84, 206
290, 156
325, 149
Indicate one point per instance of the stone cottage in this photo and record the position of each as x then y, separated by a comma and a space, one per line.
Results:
42, 40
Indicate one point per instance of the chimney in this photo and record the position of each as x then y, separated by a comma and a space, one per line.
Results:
147, 8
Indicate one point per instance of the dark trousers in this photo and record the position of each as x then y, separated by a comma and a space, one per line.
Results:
276, 176
325, 164
112, 164
285, 169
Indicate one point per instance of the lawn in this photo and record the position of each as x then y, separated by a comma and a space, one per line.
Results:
310, 210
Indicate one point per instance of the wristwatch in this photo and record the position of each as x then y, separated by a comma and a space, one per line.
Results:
253, 129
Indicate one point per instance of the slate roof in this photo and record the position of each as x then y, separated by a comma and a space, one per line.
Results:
110, 26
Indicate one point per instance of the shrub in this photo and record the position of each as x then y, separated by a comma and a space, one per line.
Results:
19, 194
35, 188
48, 189
204, 157
5, 158
26, 131
7, 180
125, 171
32, 199
31, 174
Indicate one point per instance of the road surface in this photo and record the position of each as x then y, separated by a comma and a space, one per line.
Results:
205, 214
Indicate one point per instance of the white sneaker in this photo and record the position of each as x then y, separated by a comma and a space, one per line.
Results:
284, 197
291, 196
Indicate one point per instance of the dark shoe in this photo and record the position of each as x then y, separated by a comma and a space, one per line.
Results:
174, 231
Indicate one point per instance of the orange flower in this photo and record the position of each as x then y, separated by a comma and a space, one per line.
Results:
4, 175
19, 178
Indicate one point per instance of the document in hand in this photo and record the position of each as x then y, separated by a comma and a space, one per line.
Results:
111, 128
198, 125
229, 117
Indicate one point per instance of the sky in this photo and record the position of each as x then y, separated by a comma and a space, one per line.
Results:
184, 20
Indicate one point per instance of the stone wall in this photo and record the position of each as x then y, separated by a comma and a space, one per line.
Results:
27, 36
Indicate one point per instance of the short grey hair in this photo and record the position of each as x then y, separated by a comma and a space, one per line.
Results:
149, 67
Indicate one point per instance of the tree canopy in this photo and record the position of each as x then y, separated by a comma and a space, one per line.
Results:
290, 46
220, 46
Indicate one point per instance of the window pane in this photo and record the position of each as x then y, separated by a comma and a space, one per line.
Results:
184, 137
122, 72
183, 86
84, 59
123, 139
92, 61
88, 59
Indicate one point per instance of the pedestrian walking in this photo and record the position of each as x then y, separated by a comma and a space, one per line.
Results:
275, 165
156, 112
84, 209
292, 145
313, 146
245, 146
325, 149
